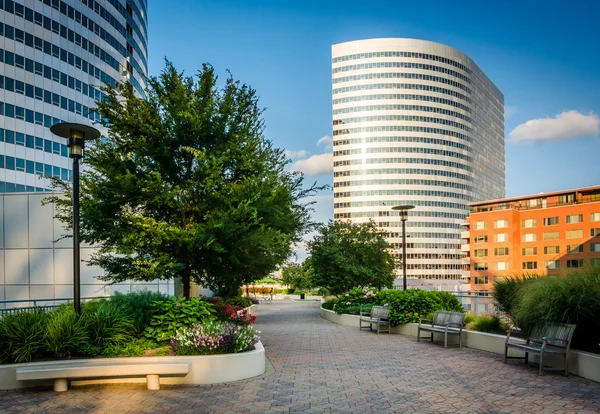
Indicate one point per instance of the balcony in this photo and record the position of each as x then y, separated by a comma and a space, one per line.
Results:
466, 234
465, 247
465, 274
466, 260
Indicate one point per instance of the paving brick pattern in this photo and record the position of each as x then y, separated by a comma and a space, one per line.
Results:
319, 367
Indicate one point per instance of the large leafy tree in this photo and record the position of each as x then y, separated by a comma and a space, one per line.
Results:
344, 255
296, 275
185, 185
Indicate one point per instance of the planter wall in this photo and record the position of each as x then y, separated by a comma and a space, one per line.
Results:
206, 369
582, 364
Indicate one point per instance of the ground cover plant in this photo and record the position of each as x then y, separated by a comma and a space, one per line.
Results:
214, 338
406, 306
573, 297
135, 324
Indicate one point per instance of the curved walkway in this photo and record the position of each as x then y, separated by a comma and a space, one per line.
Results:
318, 366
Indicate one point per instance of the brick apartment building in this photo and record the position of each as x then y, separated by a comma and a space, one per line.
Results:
542, 233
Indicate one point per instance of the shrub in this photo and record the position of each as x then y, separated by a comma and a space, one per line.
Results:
507, 292
139, 306
214, 338
65, 332
227, 312
351, 300
572, 298
469, 317
487, 323
137, 347
22, 336
240, 301
329, 303
170, 315
107, 323
408, 306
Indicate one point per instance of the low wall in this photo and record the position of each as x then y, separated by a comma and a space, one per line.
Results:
206, 369
582, 364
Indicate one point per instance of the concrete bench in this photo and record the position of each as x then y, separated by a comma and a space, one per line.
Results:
550, 339
62, 372
379, 315
446, 323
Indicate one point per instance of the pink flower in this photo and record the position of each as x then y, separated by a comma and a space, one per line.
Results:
347, 294
347, 303
385, 304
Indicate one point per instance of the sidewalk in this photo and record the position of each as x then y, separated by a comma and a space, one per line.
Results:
322, 367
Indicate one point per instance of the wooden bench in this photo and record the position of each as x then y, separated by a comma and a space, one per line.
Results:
549, 339
379, 315
447, 323
62, 372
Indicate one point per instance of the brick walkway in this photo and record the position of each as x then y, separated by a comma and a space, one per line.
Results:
322, 367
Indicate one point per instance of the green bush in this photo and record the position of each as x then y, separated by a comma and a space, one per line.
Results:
139, 306
507, 292
65, 332
240, 301
407, 306
137, 347
351, 300
329, 303
487, 323
469, 317
170, 315
107, 323
22, 336
572, 298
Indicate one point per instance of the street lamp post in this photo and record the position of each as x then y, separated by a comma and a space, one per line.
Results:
77, 134
403, 217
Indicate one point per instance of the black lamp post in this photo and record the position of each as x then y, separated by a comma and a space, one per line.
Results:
77, 134
403, 216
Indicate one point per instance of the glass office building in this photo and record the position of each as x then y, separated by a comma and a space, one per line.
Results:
54, 56
415, 122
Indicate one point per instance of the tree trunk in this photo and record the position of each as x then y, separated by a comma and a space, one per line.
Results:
185, 280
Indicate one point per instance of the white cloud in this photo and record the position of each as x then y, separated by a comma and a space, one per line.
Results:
317, 164
294, 155
326, 142
567, 125
510, 110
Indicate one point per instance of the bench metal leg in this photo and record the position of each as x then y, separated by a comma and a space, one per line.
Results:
541, 364
153, 382
432, 337
566, 364
418, 334
445, 340
61, 385
526, 358
505, 353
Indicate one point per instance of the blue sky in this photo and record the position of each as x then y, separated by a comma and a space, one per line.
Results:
542, 54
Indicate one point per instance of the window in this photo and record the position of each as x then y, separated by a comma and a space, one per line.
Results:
480, 239
481, 266
529, 251
574, 263
574, 234
529, 265
500, 224
529, 237
480, 252
552, 264
566, 199
532, 203
551, 235
481, 280
595, 247
501, 251
574, 218
575, 248
551, 249
528, 223
550, 221
595, 232
595, 262
501, 237
501, 266
594, 216
480, 225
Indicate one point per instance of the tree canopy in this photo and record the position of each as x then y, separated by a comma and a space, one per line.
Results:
185, 185
344, 255
296, 276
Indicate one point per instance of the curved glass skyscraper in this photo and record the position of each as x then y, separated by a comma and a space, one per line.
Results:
54, 56
415, 122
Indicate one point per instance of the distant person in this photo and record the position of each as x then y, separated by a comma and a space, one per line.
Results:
271, 293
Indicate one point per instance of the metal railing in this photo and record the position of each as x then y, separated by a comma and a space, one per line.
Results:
45, 304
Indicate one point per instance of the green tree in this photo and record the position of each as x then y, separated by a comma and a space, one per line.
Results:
344, 255
185, 185
296, 276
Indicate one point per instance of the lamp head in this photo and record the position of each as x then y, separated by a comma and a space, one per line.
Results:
77, 134
403, 211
